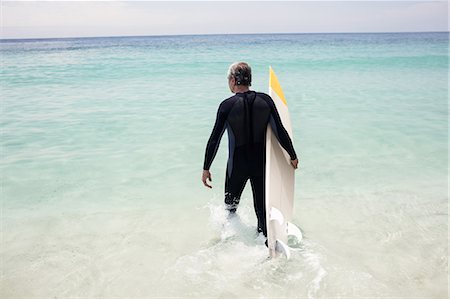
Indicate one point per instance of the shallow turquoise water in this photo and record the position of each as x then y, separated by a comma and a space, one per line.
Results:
102, 148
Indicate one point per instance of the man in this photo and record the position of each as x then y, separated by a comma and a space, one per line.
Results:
246, 116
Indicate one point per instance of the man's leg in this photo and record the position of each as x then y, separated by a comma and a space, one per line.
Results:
234, 185
259, 202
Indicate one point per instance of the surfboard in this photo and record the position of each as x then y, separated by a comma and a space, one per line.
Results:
280, 180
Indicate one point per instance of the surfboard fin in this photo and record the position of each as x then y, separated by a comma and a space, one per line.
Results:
281, 247
276, 214
293, 230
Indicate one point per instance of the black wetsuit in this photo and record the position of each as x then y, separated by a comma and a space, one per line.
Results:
246, 117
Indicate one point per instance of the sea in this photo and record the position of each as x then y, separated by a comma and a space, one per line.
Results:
102, 148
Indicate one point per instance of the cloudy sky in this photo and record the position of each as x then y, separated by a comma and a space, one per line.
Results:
34, 19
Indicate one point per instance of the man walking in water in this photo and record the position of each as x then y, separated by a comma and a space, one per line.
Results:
246, 116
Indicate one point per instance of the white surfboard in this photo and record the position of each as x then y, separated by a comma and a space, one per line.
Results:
280, 180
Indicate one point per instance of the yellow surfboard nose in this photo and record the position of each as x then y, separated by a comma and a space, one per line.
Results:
275, 85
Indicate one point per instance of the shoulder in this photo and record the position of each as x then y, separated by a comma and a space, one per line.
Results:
265, 97
228, 100
226, 104
262, 94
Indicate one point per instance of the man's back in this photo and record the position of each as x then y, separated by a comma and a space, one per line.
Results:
246, 116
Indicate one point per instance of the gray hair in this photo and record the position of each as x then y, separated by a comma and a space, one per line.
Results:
241, 72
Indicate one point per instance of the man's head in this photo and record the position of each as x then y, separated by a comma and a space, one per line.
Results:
239, 75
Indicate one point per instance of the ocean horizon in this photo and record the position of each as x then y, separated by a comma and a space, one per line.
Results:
102, 147
213, 34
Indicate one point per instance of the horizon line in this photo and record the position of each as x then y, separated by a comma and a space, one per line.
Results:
213, 34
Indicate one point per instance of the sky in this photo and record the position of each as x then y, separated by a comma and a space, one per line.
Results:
44, 19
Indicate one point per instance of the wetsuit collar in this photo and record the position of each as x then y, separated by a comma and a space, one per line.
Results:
244, 92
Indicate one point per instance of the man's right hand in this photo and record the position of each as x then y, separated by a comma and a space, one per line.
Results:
294, 163
206, 175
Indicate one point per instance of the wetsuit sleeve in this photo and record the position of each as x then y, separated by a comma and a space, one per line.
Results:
280, 131
214, 139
